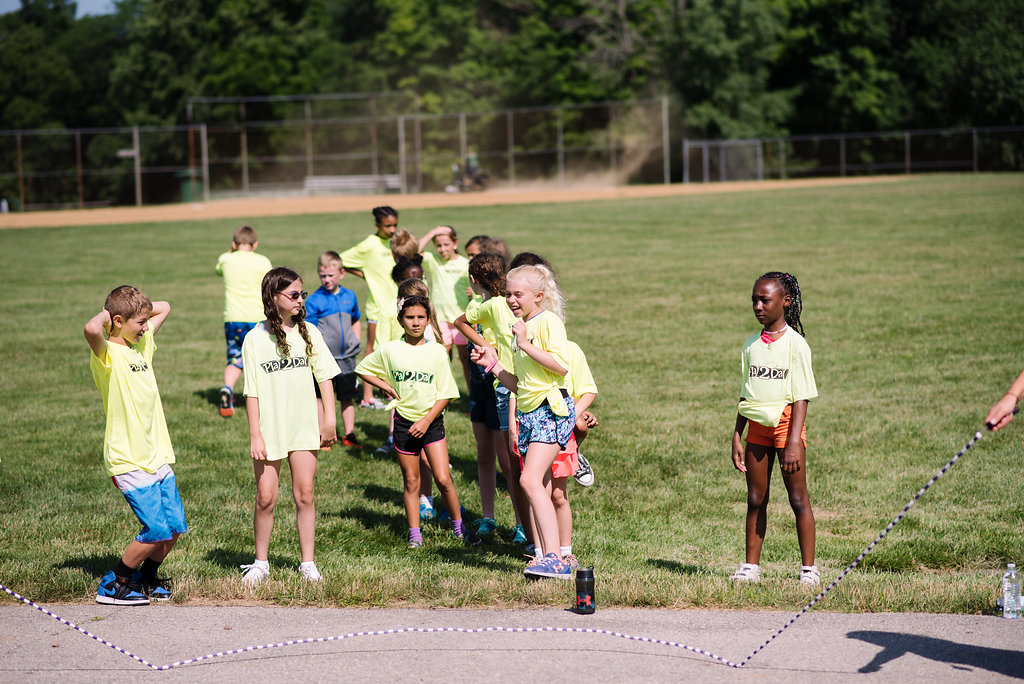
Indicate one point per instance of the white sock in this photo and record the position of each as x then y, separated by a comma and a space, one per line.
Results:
565, 550
261, 564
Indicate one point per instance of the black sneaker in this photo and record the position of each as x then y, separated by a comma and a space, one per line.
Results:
227, 402
156, 589
119, 592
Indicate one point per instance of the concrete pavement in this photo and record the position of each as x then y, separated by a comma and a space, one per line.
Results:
820, 647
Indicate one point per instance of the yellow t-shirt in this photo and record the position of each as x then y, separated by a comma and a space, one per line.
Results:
774, 376
497, 320
373, 257
535, 382
579, 377
243, 278
421, 375
136, 435
284, 387
448, 281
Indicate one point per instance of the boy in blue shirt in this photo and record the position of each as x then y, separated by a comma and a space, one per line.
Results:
334, 310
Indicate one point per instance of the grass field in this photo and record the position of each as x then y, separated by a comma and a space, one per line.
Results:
913, 311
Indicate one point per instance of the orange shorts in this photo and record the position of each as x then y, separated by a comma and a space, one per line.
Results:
566, 463
765, 435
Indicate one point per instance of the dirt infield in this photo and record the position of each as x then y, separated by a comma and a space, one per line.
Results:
289, 206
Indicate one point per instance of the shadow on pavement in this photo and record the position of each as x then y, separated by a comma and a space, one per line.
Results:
961, 656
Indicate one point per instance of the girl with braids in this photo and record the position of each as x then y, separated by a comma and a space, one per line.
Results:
777, 384
416, 374
488, 399
281, 356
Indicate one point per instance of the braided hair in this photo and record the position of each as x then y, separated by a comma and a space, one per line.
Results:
274, 283
789, 284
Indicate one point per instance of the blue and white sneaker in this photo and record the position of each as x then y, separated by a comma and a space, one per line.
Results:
485, 527
119, 592
552, 566
156, 590
426, 512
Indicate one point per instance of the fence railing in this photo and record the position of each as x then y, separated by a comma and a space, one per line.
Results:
996, 148
609, 142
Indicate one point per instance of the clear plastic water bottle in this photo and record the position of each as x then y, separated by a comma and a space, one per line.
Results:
1011, 592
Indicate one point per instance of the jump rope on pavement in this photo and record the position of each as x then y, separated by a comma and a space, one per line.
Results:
574, 630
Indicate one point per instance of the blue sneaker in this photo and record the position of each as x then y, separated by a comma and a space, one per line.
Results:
119, 592
551, 566
156, 590
518, 535
426, 512
485, 527
445, 518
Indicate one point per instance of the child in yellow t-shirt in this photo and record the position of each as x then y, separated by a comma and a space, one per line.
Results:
777, 385
137, 450
415, 373
545, 411
283, 357
242, 269
448, 277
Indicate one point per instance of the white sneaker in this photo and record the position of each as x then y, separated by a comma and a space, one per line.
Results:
309, 571
809, 575
747, 572
584, 474
255, 573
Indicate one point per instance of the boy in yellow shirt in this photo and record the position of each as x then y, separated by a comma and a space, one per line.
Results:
243, 270
137, 450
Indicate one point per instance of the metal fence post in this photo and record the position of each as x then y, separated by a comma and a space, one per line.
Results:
205, 151
611, 143
138, 166
244, 141
686, 160
706, 165
78, 167
665, 164
510, 137
842, 156
561, 149
760, 160
401, 151
309, 138
21, 176
974, 149
906, 152
782, 158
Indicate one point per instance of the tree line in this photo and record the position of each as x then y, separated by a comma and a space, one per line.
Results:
732, 68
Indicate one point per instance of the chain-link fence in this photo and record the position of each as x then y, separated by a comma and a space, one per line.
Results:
855, 154
310, 144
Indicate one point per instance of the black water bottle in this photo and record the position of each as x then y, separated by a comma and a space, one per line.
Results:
585, 591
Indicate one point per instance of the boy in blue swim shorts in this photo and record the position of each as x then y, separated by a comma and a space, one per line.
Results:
137, 450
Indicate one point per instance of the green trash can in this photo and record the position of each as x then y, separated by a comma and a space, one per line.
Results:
191, 189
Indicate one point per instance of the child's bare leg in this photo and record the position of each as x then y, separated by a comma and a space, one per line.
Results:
759, 460
464, 358
579, 431
410, 464
536, 482
348, 416
267, 477
371, 335
139, 551
437, 454
560, 499
800, 501
231, 375
426, 476
303, 466
510, 469
485, 473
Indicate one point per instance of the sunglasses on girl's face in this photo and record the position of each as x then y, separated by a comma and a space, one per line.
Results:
294, 295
